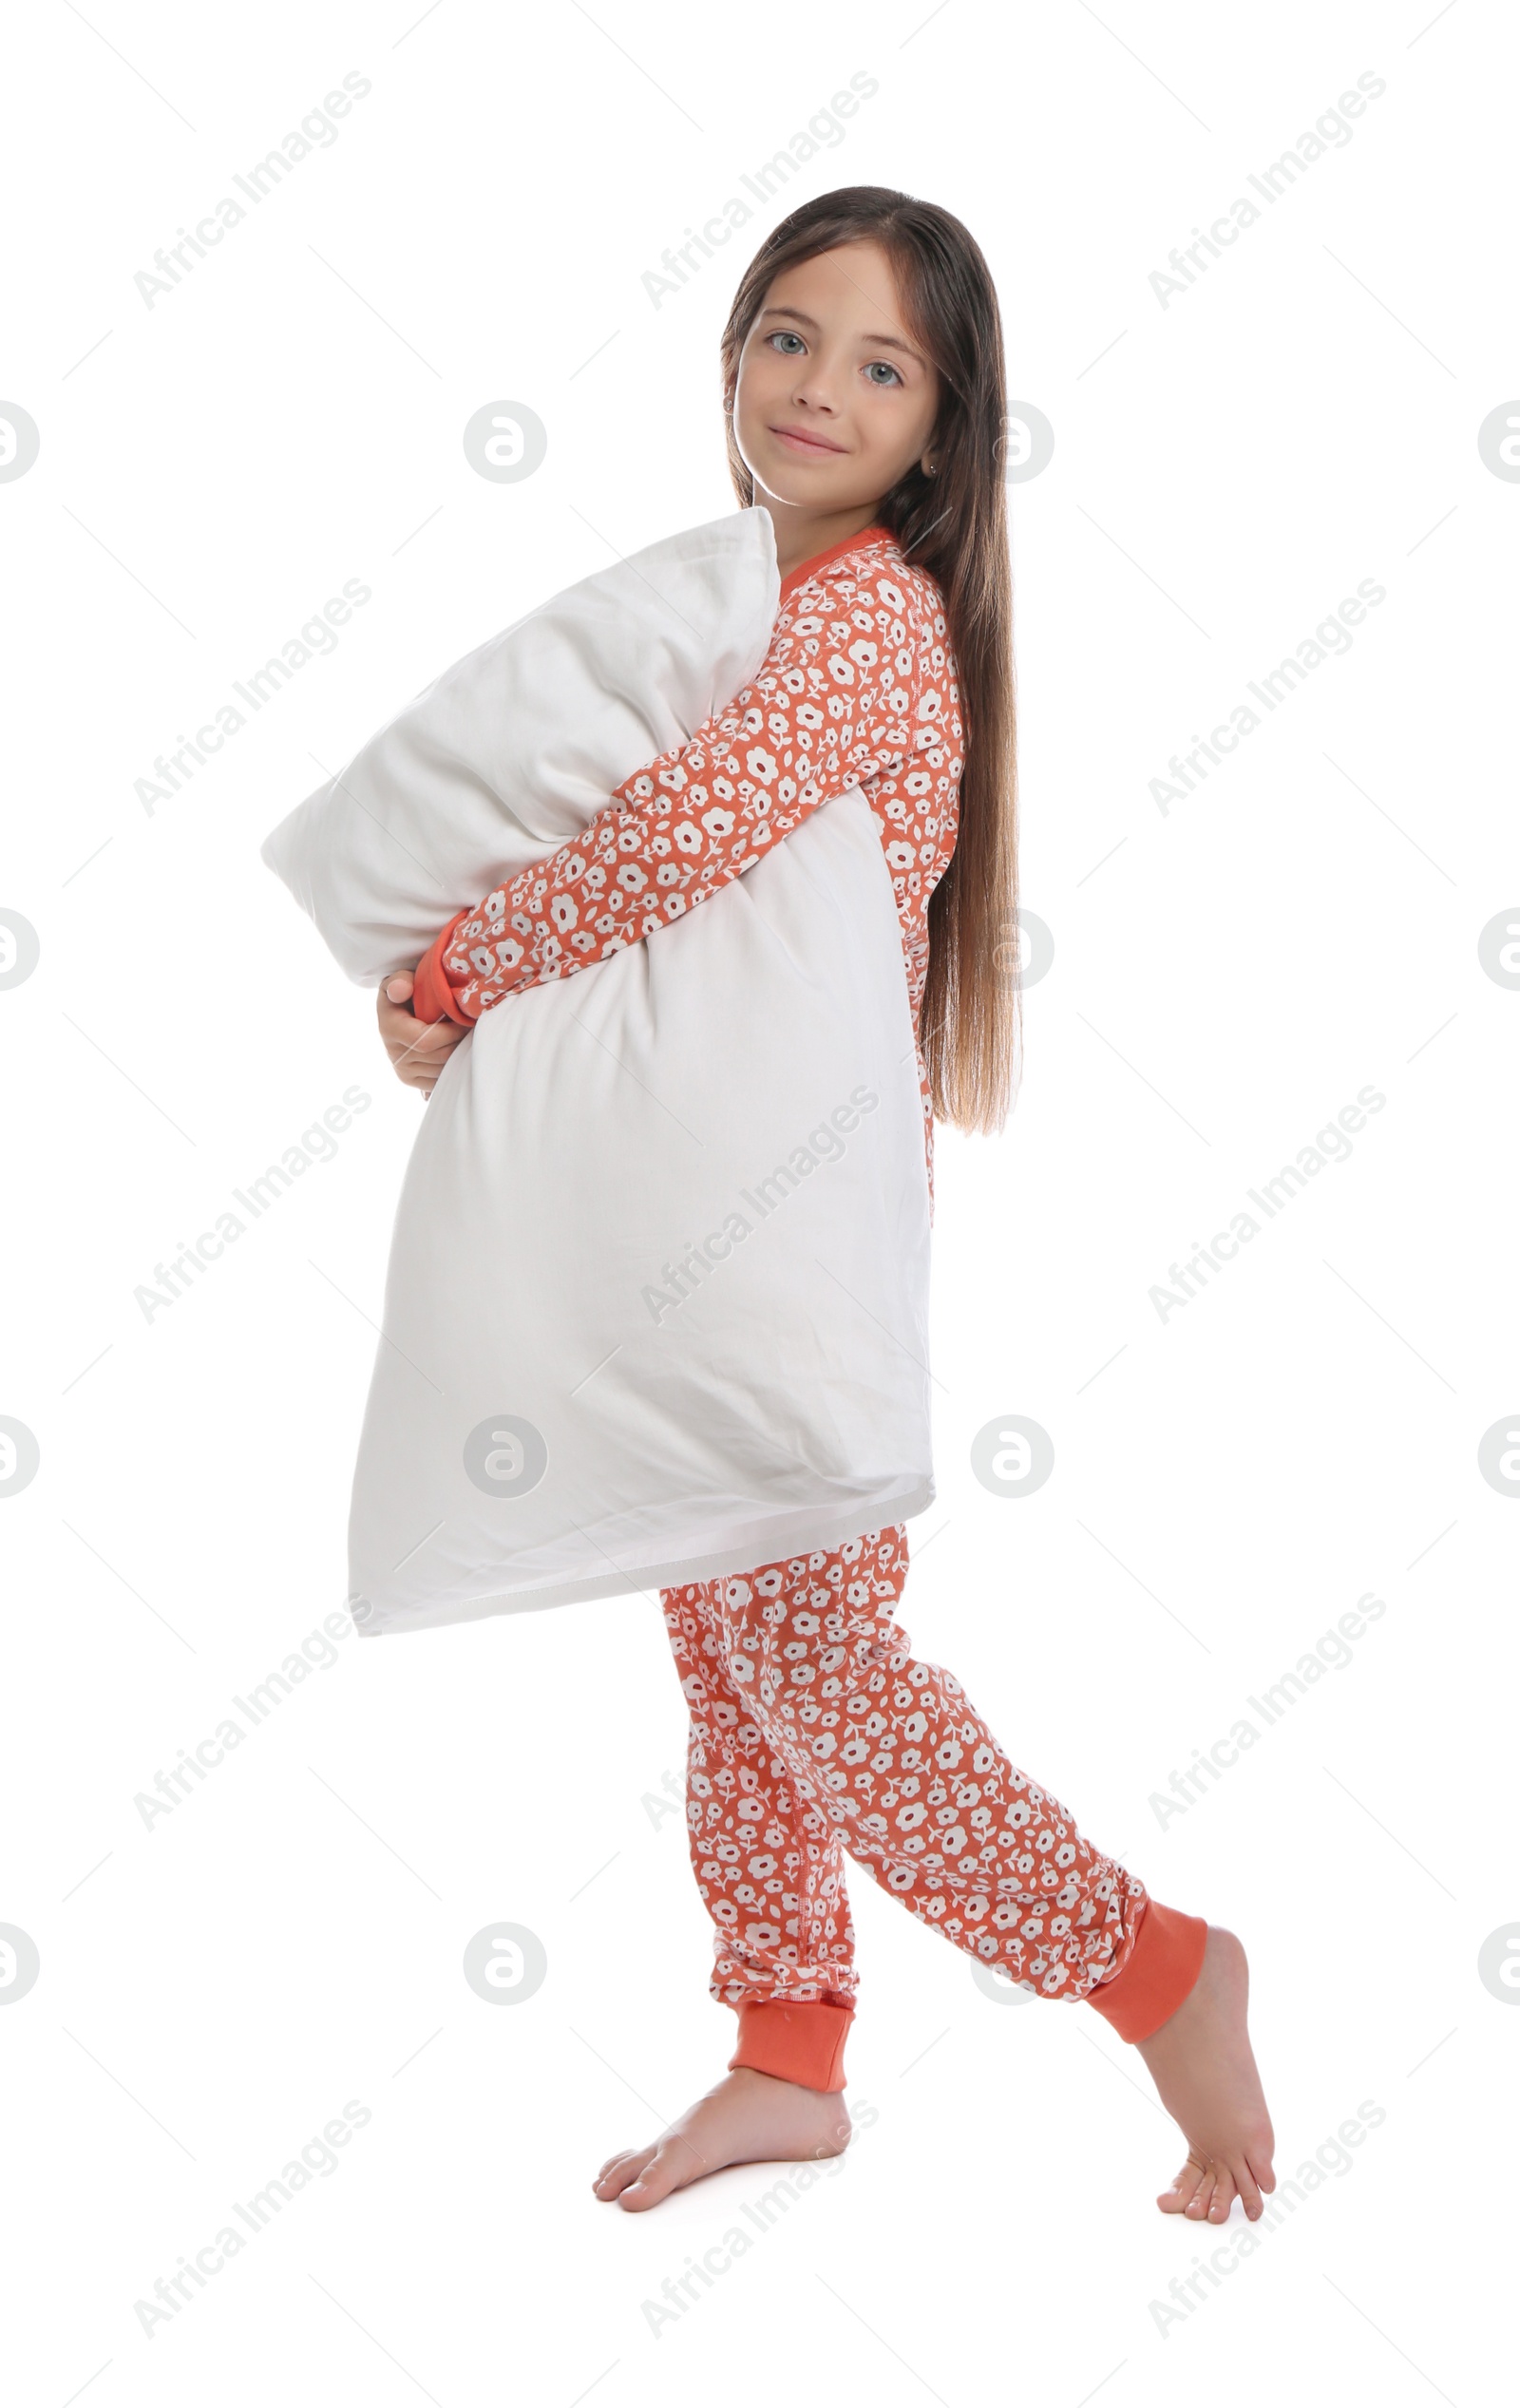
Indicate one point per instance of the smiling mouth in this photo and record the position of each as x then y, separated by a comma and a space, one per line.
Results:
805, 443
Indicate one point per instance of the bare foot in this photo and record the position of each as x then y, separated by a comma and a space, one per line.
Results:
745, 2119
1201, 2062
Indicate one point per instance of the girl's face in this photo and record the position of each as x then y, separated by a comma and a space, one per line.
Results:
835, 400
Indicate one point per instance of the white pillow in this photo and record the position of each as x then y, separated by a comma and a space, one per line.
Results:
656, 1307
507, 755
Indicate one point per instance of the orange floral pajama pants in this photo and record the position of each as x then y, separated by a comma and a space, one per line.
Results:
816, 1730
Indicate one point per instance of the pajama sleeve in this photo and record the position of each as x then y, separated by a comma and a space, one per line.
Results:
846, 693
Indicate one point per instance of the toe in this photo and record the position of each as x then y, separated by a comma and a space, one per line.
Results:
658, 2177
1245, 2184
1197, 2207
620, 2171
1175, 2201
1219, 2206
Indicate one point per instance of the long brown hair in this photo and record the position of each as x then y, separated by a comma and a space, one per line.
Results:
955, 526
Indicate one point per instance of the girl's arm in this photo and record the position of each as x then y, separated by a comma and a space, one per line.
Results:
847, 691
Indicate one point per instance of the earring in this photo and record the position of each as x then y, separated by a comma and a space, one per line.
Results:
930, 469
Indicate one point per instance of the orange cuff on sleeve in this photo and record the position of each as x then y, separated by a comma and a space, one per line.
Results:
1160, 1970
802, 2042
433, 997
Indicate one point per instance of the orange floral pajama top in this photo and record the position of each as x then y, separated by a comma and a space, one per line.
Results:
858, 688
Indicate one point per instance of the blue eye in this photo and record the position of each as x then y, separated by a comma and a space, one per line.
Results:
890, 369
786, 335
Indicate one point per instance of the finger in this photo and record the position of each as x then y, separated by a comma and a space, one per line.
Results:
398, 1022
442, 1030
399, 988
433, 1045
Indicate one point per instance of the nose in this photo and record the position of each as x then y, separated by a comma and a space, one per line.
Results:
814, 389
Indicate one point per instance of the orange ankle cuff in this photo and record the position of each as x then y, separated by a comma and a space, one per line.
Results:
797, 2042
1157, 1975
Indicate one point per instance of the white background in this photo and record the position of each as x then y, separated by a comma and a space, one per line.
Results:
1226, 977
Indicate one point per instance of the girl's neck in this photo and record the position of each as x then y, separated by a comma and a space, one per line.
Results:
801, 534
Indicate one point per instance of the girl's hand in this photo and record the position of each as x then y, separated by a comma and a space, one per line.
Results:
418, 1049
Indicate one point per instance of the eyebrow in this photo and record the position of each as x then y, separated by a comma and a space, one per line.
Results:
881, 342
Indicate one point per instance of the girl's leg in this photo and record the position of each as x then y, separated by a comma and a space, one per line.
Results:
771, 1868
769, 1862
890, 1750
887, 1752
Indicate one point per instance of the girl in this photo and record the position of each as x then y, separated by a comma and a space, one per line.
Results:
862, 377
